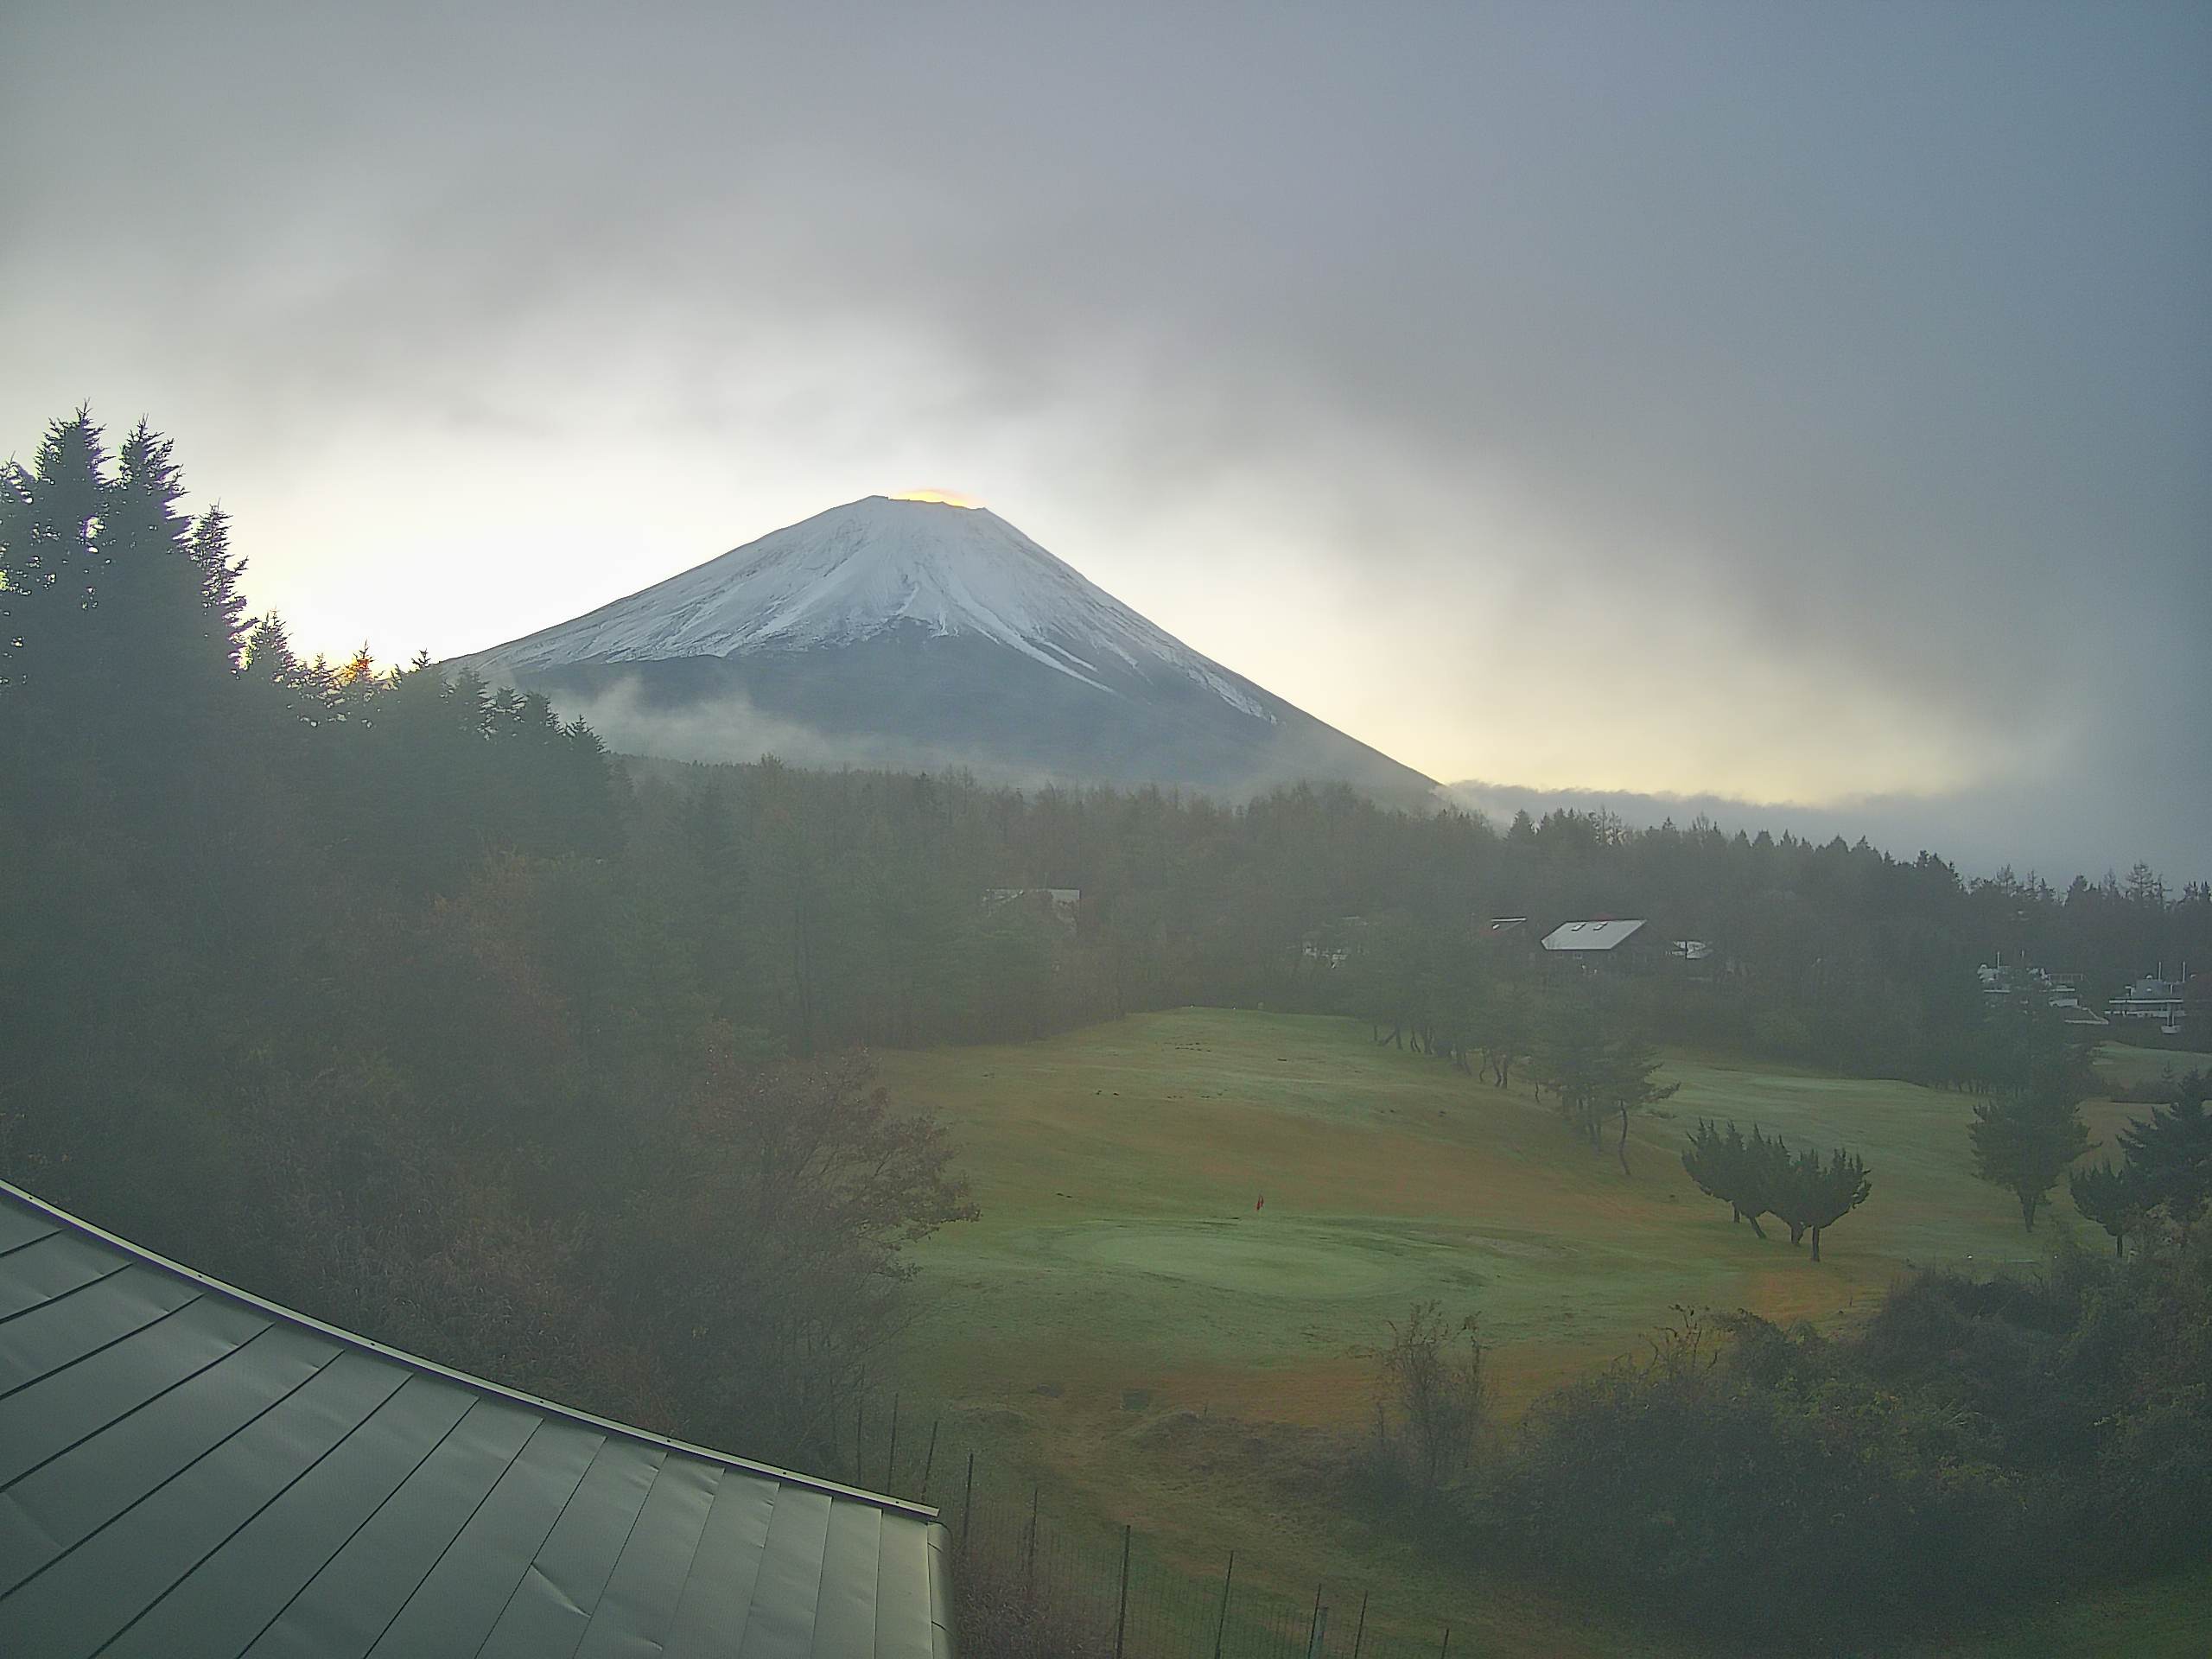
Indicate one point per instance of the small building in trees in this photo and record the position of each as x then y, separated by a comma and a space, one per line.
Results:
1605, 943
1061, 904
190, 1469
2003, 983
2160, 1000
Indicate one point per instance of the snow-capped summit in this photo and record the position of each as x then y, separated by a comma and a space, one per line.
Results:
914, 634
868, 567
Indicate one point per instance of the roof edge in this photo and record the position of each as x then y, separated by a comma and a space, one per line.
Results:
366, 1345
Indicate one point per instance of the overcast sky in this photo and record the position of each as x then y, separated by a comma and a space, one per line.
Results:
1792, 403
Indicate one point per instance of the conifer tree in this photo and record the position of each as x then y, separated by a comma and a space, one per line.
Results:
2111, 1196
49, 514
2023, 1142
1816, 1195
2169, 1153
1630, 1082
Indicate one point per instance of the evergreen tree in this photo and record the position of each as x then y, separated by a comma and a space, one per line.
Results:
2025, 1141
2111, 1196
1815, 1195
1629, 1083
1571, 1059
2169, 1153
48, 517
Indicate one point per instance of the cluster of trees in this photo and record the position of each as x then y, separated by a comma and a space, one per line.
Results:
372, 991
1970, 1447
2164, 1172
1759, 1177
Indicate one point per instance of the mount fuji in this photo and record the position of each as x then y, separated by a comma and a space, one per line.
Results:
917, 634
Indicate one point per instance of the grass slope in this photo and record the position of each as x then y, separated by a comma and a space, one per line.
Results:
1122, 1259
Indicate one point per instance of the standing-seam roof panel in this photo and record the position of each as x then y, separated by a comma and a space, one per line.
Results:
188, 1471
238, 1591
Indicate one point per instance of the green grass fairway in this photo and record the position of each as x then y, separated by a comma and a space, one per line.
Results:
1119, 1170
1122, 1257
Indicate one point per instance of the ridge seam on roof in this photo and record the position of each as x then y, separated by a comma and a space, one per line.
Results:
63, 1295
459, 1532
177, 1473
25, 1243
162, 1393
530, 1565
313, 1464
311, 1579
193, 1301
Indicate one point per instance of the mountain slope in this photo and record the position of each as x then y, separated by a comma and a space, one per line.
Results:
911, 633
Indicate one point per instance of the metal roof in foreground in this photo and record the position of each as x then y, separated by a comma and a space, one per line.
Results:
186, 1470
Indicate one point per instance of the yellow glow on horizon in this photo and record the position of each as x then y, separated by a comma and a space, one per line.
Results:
943, 498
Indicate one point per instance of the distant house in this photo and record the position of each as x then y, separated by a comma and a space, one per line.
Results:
2003, 981
1506, 930
1063, 905
1604, 944
1606, 935
1697, 958
2151, 998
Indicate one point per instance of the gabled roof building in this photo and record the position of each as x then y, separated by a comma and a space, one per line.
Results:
1600, 936
187, 1470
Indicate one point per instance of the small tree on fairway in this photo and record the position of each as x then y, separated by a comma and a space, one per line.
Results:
1816, 1195
1503, 1023
1572, 1059
2110, 1197
1764, 1167
1722, 1165
1710, 1163
2023, 1142
1629, 1083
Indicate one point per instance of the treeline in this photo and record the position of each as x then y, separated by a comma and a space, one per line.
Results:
833, 908
377, 993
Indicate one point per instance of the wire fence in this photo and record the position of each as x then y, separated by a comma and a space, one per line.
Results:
1034, 1582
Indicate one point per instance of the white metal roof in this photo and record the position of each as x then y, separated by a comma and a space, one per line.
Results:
1589, 936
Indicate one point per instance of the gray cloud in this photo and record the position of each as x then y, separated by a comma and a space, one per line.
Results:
1778, 401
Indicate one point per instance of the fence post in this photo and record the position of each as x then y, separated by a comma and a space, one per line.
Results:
1122, 1603
930, 1461
860, 1423
1029, 1567
967, 1505
1316, 1619
890, 1457
1359, 1636
1319, 1639
1445, 1652
1220, 1627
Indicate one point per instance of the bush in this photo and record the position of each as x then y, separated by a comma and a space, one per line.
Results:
1773, 1487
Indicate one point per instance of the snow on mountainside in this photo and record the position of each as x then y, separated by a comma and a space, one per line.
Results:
869, 567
